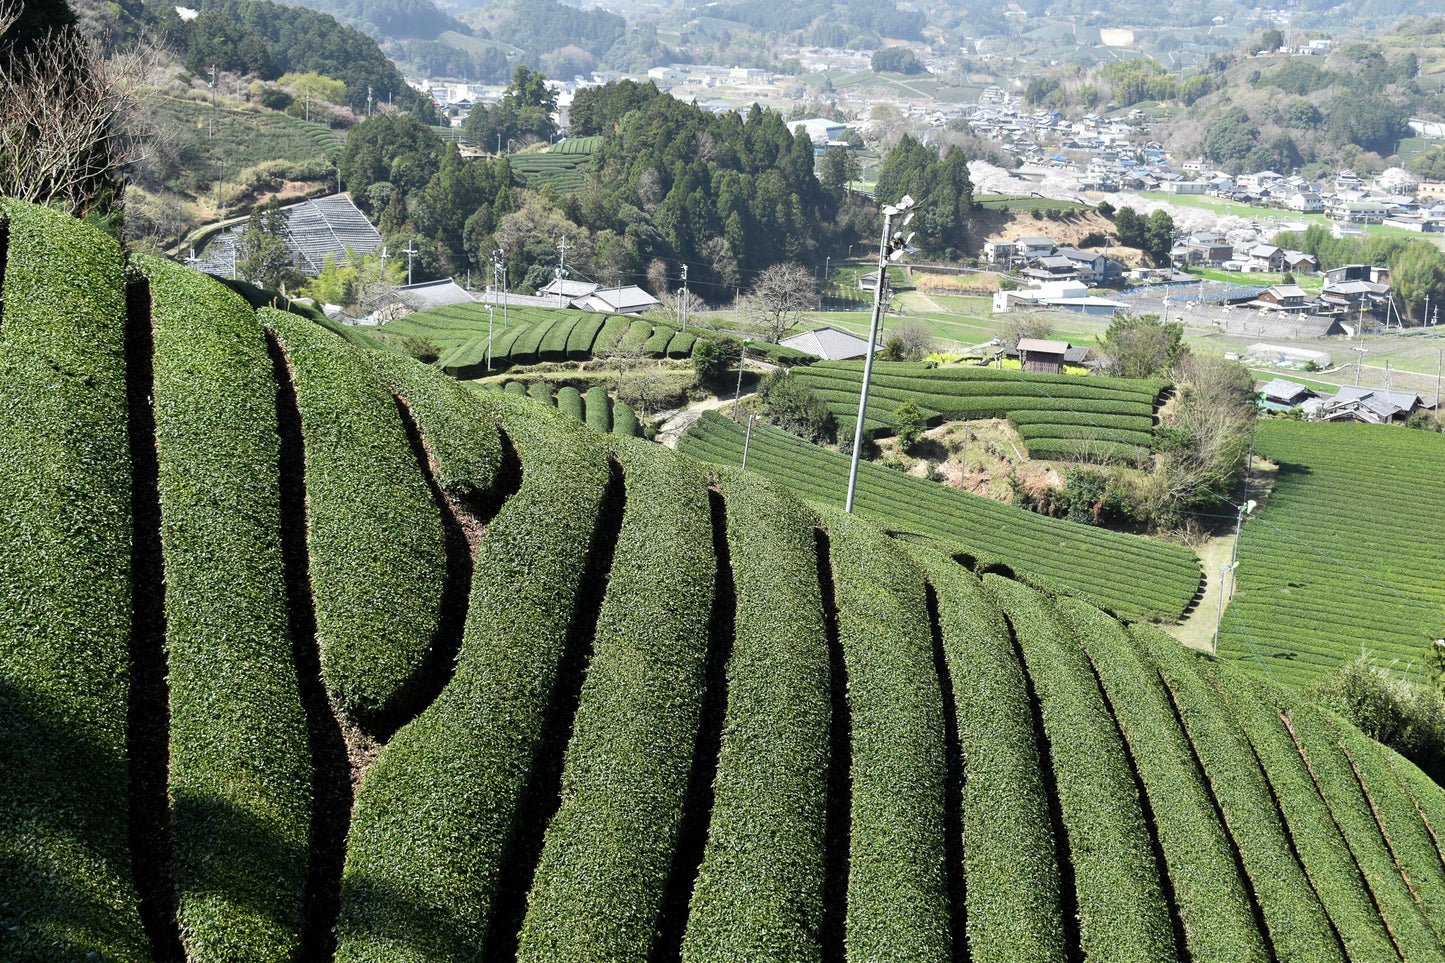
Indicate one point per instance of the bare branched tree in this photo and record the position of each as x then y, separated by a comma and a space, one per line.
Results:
63, 111
780, 296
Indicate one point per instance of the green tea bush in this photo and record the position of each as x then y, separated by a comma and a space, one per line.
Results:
656, 345
439, 812
609, 848
1298, 926
1120, 898
569, 402
240, 762
462, 444
611, 334
65, 483
599, 410
583, 336
373, 533
624, 421
1011, 871
897, 890
759, 890
1210, 898
554, 343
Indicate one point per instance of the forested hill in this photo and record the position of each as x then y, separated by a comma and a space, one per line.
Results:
268, 39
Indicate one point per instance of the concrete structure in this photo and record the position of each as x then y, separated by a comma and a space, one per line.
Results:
828, 343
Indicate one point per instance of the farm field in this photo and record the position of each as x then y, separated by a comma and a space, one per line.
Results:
1345, 558
1065, 417
618, 697
1142, 578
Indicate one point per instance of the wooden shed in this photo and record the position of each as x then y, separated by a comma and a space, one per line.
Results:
1042, 357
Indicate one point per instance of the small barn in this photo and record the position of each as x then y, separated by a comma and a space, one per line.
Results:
1042, 357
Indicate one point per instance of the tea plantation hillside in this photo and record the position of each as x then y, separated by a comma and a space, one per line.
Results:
310, 653
1345, 556
1067, 417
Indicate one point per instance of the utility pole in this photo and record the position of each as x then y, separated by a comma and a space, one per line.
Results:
738, 392
684, 305
408, 252
1360, 364
308, 107
561, 270
891, 247
499, 276
490, 309
220, 179
747, 438
368, 100
1439, 362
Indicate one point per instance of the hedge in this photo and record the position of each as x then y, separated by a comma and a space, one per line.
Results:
611, 334
1011, 870
65, 482
624, 420
554, 343
1091, 449
438, 814
374, 534
583, 335
639, 331
526, 349
681, 345
656, 344
240, 761
1298, 926
569, 402
609, 849
1309, 745
599, 409
540, 391
897, 889
1405, 833
517, 389
1121, 904
1298, 779
759, 892
1210, 898
464, 447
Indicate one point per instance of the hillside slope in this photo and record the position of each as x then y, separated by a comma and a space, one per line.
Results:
309, 653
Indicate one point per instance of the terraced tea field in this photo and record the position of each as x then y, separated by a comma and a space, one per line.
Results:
1064, 417
310, 653
1134, 576
1347, 555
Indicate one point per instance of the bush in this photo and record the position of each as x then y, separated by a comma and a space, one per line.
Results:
442, 806
240, 762
1406, 716
908, 424
712, 358
599, 410
759, 892
793, 407
600, 880
373, 532
65, 661
569, 402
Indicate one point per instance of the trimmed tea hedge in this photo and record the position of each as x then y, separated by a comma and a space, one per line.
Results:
65, 483
419, 894
554, 343
583, 335
611, 334
240, 763
624, 421
373, 533
639, 332
462, 443
1121, 902
1298, 927
599, 410
759, 890
1012, 873
656, 345
1124, 573
610, 847
1344, 556
681, 345
540, 391
897, 891
569, 402
1210, 898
